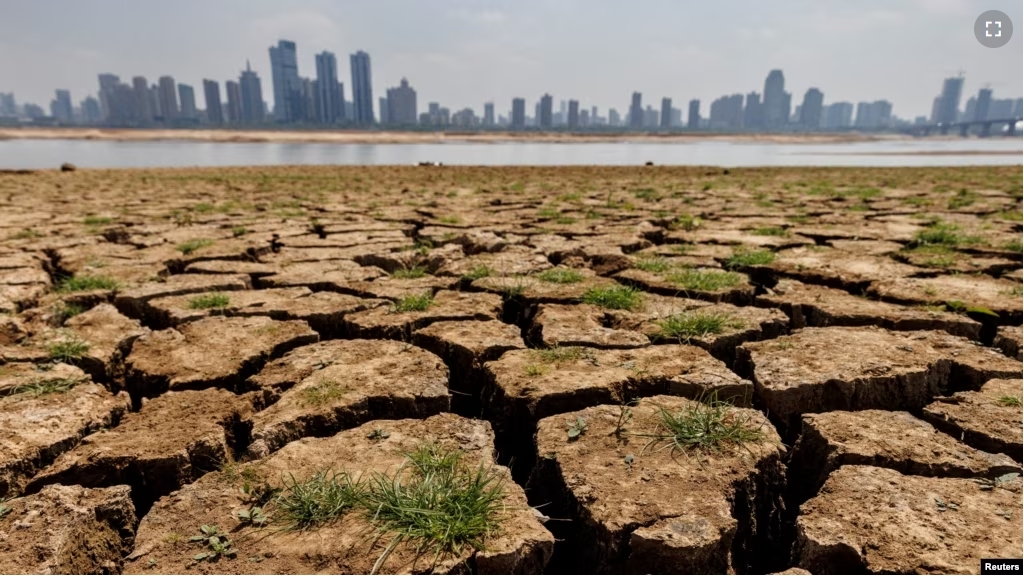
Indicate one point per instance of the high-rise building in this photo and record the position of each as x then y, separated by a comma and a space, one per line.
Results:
776, 100
544, 115
810, 110
488, 113
518, 113
362, 92
665, 120
1001, 109
675, 118
252, 96
60, 107
873, 115
969, 106
106, 93
140, 93
382, 105
168, 98
636, 111
726, 113
309, 101
573, 115
401, 104
753, 113
982, 105
234, 94
949, 101
613, 117
284, 73
211, 94
187, 97
329, 90
154, 102
8, 107
91, 113
693, 115
838, 115
584, 118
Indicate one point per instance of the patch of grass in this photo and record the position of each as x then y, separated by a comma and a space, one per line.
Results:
655, 265
45, 386
239, 231
703, 280
533, 370
745, 258
191, 246
436, 503
26, 234
62, 312
681, 248
1013, 246
323, 392
562, 354
410, 273
86, 283
217, 544
941, 233
204, 207
453, 219
320, 499
614, 297
414, 303
68, 350
565, 220
208, 301
686, 222
770, 231
560, 276
547, 212
1009, 401
576, 428
97, 220
706, 425
962, 199
695, 324
647, 194
478, 272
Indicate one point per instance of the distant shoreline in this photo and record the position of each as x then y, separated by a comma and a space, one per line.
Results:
407, 137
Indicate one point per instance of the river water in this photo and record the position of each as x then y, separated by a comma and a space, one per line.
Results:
15, 154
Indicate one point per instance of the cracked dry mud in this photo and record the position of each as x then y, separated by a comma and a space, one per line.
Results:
178, 346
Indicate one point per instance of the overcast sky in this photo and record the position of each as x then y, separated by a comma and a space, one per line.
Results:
463, 52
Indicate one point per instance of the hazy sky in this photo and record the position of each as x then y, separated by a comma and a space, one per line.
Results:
463, 52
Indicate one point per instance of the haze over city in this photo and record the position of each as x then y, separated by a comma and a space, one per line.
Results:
463, 54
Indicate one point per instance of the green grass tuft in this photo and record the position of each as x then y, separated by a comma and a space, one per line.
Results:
410, 273
695, 324
191, 246
97, 220
69, 350
655, 265
323, 392
62, 312
562, 354
478, 272
45, 386
1009, 401
320, 499
703, 280
745, 258
943, 234
614, 297
414, 303
560, 276
208, 301
706, 425
436, 503
86, 283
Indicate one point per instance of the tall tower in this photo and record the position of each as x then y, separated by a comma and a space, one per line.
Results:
362, 92
776, 104
284, 73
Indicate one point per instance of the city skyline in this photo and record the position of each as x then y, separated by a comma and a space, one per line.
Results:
464, 53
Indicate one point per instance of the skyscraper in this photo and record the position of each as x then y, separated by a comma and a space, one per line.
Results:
753, 112
544, 117
168, 98
949, 100
140, 94
362, 92
776, 100
982, 104
488, 113
401, 103
613, 117
384, 118
211, 93
251, 94
284, 73
332, 108
693, 119
91, 113
60, 107
726, 113
234, 93
838, 115
187, 96
8, 107
573, 115
810, 110
636, 112
518, 113
666, 113
106, 93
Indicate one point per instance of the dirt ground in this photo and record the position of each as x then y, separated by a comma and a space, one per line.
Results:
662, 370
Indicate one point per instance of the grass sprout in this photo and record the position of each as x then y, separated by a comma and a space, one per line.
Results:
614, 297
414, 303
560, 276
208, 301
695, 324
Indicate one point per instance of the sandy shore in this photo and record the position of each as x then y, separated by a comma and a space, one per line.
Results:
399, 137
